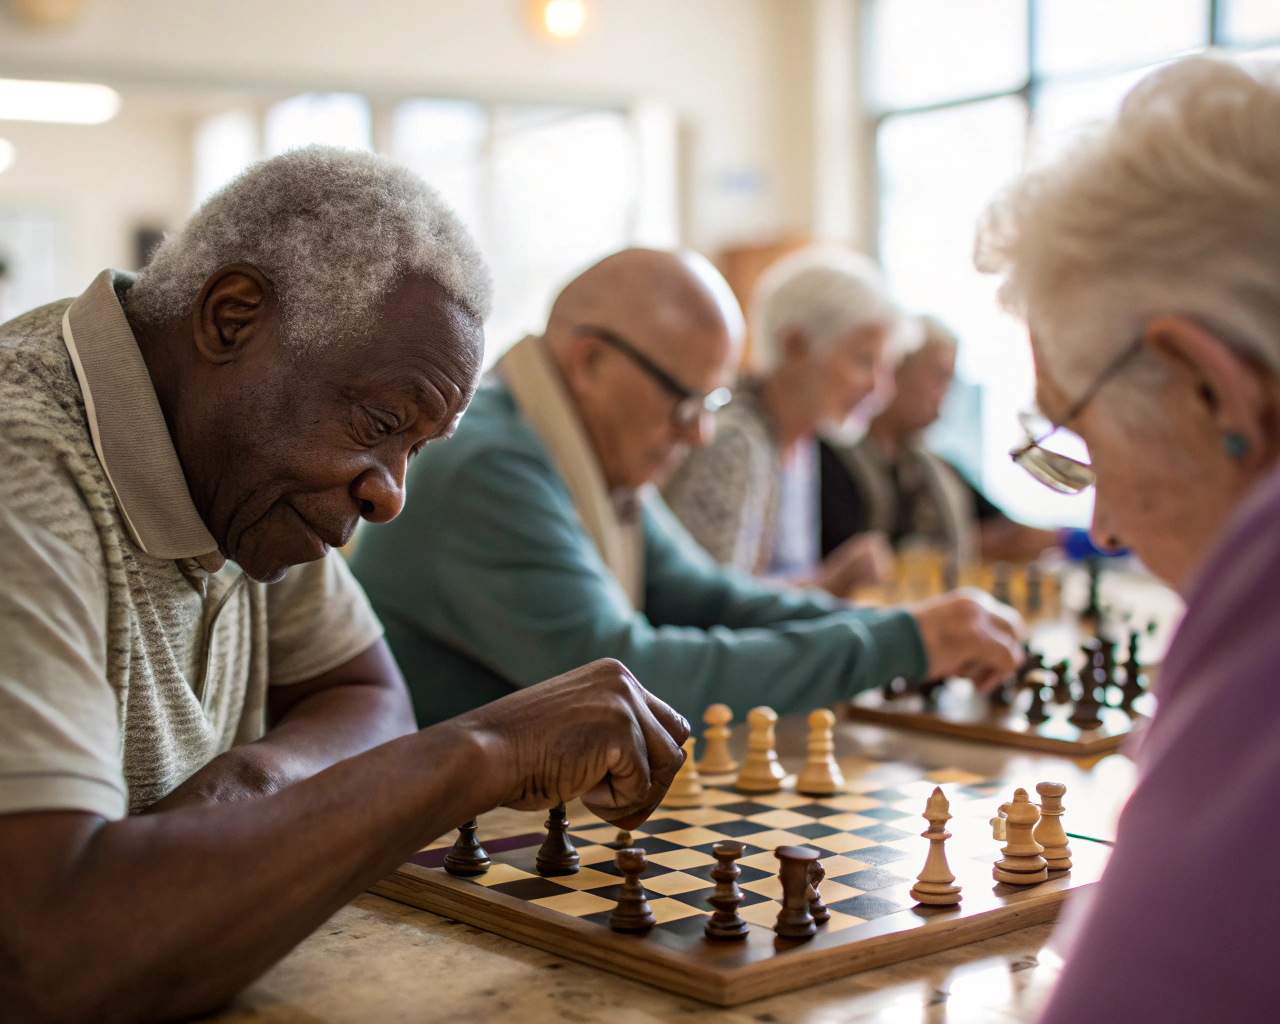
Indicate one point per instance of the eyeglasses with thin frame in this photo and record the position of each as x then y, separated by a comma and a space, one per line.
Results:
1056, 471
690, 405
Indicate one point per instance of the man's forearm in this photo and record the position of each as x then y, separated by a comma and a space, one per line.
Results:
215, 894
344, 712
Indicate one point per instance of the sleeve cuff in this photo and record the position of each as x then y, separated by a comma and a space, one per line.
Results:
23, 793
896, 648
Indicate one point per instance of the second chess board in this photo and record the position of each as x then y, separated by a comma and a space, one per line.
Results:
871, 851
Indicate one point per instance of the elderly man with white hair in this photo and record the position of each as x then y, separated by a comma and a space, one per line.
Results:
822, 321
205, 746
1147, 265
532, 540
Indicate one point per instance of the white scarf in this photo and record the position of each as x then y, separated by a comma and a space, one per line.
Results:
534, 381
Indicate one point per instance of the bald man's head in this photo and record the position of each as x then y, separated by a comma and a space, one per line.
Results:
673, 308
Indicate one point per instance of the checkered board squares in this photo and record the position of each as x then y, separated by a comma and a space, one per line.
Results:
871, 848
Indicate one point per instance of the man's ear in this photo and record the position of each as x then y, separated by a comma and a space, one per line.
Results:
795, 345
236, 307
578, 364
1227, 390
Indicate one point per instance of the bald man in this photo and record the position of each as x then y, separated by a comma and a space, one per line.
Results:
531, 543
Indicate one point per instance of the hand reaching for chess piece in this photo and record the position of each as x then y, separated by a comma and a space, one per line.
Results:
968, 633
594, 732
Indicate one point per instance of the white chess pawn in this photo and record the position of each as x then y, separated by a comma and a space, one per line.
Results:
686, 787
716, 759
761, 772
821, 775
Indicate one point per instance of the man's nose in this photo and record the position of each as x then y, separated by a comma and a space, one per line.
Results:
380, 494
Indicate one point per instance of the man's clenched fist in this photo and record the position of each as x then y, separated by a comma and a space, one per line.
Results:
969, 633
594, 732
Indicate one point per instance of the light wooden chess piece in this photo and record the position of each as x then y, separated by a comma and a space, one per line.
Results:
821, 775
686, 787
934, 885
795, 920
1049, 833
999, 823
761, 772
1022, 863
716, 759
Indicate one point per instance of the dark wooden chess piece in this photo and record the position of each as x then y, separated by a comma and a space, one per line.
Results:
1085, 714
632, 914
794, 919
1000, 696
467, 858
557, 856
1133, 679
929, 691
1062, 687
816, 907
726, 897
1092, 613
1035, 710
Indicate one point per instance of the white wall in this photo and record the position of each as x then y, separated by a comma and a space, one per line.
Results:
733, 69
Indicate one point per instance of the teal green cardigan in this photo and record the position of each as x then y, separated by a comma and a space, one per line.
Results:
487, 582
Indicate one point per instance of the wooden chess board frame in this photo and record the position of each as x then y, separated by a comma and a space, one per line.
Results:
961, 712
729, 973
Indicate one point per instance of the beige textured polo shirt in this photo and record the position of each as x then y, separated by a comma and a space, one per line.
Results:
131, 652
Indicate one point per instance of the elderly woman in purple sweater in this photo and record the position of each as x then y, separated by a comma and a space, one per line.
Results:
1146, 263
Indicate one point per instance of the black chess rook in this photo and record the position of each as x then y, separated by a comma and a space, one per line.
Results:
795, 920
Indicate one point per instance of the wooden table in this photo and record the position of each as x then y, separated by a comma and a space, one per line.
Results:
376, 960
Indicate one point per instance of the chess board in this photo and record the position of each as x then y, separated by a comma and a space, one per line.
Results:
872, 851
956, 709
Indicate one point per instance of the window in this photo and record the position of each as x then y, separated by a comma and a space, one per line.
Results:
962, 97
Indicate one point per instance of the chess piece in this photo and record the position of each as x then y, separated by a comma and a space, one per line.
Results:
1062, 686
1085, 714
725, 923
1133, 688
632, 914
557, 856
1000, 696
467, 858
686, 787
820, 775
929, 691
817, 908
1049, 833
622, 840
999, 823
794, 919
1036, 714
716, 759
934, 885
761, 772
1022, 863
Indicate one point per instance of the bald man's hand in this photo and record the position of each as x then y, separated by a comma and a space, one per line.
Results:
594, 732
970, 634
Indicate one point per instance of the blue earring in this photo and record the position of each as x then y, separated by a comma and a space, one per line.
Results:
1236, 444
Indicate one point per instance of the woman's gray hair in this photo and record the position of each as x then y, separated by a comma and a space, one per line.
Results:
824, 292
334, 230
1173, 208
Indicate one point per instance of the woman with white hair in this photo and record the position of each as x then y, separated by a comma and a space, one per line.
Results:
1147, 266
823, 317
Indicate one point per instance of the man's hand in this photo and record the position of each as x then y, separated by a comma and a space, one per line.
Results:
969, 633
594, 732
862, 559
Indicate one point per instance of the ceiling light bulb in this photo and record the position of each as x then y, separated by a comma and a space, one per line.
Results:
7, 154
58, 102
564, 18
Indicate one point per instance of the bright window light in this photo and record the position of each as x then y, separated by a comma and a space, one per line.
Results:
330, 119
564, 19
58, 102
7, 154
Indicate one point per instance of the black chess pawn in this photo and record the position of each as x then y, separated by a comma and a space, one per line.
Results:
1062, 686
467, 858
817, 909
557, 856
1085, 713
632, 914
725, 923
1035, 710
1133, 677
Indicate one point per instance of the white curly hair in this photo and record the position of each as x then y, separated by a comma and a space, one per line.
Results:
1173, 208
333, 229
825, 292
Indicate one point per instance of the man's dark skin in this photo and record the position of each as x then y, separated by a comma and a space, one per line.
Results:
169, 913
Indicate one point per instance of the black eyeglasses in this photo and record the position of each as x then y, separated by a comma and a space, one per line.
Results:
690, 406
1056, 471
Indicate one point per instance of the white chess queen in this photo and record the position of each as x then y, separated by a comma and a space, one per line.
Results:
1146, 263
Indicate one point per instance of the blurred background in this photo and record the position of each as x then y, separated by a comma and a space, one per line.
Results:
562, 130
